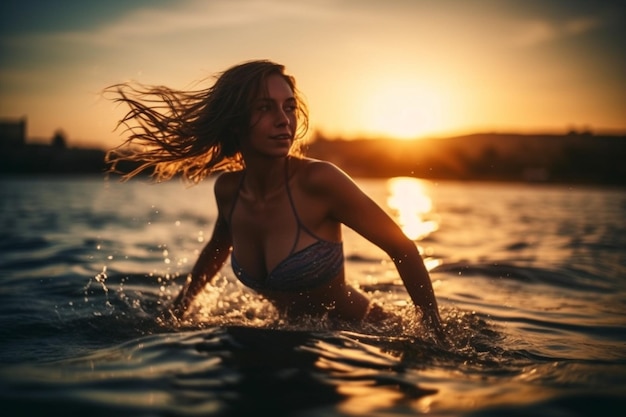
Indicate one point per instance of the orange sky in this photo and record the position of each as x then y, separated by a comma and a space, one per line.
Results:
404, 68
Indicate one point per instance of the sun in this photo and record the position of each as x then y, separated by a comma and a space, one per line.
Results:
404, 109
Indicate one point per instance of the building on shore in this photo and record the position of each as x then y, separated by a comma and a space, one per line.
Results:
12, 133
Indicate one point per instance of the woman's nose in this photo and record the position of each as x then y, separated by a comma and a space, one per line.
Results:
282, 118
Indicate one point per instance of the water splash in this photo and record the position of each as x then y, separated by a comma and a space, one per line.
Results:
99, 279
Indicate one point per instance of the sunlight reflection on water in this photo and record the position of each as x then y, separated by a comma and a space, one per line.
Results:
529, 278
411, 204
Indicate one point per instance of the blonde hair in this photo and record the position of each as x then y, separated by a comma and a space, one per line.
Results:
192, 133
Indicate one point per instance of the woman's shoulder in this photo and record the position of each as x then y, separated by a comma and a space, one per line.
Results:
226, 184
318, 175
311, 169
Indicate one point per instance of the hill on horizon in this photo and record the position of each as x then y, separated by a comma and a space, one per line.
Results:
573, 157
550, 158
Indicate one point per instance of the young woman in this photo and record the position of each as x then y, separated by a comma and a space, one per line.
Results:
280, 214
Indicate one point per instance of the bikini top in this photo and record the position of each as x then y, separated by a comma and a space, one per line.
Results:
310, 267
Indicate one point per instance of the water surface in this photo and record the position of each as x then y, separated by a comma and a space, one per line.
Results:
531, 281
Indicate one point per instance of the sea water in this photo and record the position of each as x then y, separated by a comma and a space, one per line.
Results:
530, 278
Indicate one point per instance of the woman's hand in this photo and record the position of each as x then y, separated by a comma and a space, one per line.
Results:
210, 261
172, 313
432, 321
180, 304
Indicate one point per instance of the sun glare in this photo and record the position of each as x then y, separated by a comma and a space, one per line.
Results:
410, 203
403, 109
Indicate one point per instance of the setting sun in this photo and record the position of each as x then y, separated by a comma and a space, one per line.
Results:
404, 109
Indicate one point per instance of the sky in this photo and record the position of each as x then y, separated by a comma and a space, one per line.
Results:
367, 68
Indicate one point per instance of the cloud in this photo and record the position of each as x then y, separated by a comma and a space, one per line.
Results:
189, 16
580, 25
536, 32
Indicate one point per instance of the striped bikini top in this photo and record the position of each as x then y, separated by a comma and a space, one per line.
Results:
308, 268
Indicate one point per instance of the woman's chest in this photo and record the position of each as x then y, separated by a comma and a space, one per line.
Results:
264, 227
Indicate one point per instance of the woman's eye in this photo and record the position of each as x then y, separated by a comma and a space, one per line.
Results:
288, 108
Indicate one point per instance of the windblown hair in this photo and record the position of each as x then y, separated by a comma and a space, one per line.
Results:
192, 133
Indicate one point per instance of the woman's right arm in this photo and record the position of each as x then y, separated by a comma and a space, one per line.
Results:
212, 257
210, 261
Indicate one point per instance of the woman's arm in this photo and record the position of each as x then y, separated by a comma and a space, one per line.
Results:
210, 261
212, 257
352, 207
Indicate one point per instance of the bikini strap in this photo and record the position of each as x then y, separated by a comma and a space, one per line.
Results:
301, 225
236, 198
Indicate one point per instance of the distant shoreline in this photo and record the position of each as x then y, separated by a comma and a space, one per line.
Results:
558, 159
539, 158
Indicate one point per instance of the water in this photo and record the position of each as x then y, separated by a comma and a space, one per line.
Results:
531, 281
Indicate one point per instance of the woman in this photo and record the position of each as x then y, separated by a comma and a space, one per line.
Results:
280, 214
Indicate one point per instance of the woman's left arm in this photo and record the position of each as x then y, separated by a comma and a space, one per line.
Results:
352, 207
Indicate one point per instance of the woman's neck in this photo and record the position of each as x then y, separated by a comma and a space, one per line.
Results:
264, 176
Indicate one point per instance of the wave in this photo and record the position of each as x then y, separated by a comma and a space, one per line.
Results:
562, 277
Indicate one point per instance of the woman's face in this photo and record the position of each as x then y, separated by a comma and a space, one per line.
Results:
273, 120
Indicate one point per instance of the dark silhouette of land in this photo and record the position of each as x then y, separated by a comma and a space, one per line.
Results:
569, 158
19, 157
45, 159
574, 158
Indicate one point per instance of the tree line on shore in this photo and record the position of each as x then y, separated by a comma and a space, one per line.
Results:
568, 158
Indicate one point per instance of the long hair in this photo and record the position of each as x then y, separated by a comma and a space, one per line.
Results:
192, 133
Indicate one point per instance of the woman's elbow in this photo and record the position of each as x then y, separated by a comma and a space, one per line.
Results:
402, 248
